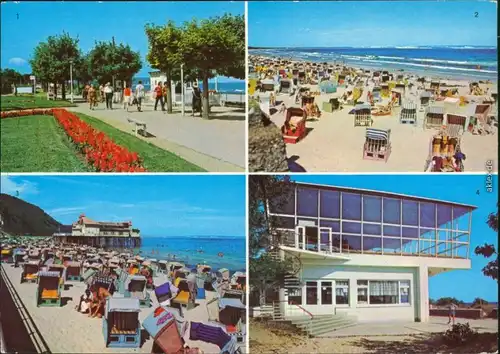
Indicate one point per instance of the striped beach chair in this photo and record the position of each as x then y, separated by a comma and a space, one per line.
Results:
456, 125
377, 144
363, 115
434, 117
408, 113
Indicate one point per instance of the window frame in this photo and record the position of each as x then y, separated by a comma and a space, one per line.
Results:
348, 287
399, 287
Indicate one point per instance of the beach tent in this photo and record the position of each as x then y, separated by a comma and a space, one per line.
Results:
166, 327
120, 326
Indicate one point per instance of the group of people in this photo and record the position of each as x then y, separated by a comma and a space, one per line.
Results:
104, 93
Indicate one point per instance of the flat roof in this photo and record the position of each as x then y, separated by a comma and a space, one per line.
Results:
382, 194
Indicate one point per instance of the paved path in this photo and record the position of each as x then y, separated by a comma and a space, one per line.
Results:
435, 325
217, 144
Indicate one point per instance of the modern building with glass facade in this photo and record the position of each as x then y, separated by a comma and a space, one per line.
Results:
368, 254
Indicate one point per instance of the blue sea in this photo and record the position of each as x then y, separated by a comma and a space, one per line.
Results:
222, 87
459, 62
187, 250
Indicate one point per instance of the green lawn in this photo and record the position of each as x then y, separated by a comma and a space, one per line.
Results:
10, 103
155, 159
37, 144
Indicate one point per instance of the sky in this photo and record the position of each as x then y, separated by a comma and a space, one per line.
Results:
371, 23
94, 21
464, 285
173, 205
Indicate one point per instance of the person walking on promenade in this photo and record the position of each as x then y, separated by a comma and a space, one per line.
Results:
92, 96
127, 95
196, 103
159, 96
165, 93
452, 307
101, 92
108, 91
139, 95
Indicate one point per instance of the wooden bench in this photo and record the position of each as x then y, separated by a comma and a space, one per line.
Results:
138, 125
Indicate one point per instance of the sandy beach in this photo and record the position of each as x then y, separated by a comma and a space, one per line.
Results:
333, 144
67, 331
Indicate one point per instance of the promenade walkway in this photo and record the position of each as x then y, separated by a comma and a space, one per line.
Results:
216, 144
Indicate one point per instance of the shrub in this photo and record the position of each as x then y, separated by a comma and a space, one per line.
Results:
460, 333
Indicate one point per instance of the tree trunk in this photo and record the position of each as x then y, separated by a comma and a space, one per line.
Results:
55, 90
63, 93
204, 97
169, 92
262, 294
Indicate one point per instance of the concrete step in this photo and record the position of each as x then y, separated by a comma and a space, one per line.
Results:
318, 333
320, 322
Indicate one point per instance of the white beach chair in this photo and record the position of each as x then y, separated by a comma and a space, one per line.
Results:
408, 113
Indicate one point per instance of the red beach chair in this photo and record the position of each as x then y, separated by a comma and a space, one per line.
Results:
294, 128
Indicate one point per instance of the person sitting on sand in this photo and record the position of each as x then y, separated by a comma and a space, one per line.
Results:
85, 300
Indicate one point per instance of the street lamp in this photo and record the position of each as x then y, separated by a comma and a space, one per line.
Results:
71, 78
182, 88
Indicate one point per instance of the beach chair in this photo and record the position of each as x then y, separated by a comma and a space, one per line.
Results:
443, 150
377, 144
121, 280
434, 117
135, 287
230, 311
376, 94
184, 297
481, 114
48, 292
19, 257
162, 267
362, 115
214, 335
222, 275
120, 325
7, 255
73, 271
384, 90
456, 124
30, 272
167, 328
286, 87
294, 128
103, 280
425, 98
408, 113
88, 276
61, 270
435, 85
164, 292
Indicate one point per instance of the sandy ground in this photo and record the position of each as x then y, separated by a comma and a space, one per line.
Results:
273, 339
333, 144
217, 144
67, 331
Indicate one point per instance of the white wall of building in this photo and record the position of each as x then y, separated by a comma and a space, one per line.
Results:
363, 312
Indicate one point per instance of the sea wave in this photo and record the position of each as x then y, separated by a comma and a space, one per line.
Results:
431, 66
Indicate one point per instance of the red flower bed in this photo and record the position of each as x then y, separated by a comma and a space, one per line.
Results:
99, 150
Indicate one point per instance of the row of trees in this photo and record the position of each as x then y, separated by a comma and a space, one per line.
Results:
478, 302
10, 78
205, 48
105, 62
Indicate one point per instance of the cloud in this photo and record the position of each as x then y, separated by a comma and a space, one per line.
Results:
10, 186
17, 61
66, 211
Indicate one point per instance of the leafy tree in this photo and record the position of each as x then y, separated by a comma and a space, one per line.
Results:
51, 59
267, 270
164, 52
108, 61
8, 78
478, 302
214, 46
489, 250
447, 300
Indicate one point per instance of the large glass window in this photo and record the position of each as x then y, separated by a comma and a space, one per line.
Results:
404, 291
351, 206
351, 244
334, 225
410, 213
383, 292
372, 229
372, 208
461, 218
326, 293
342, 292
351, 227
330, 204
444, 216
311, 293
427, 215
307, 202
394, 231
392, 211
362, 291
372, 244
283, 222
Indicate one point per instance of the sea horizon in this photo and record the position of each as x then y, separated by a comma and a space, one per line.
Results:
450, 61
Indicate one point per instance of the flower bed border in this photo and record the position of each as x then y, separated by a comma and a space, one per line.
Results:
100, 151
